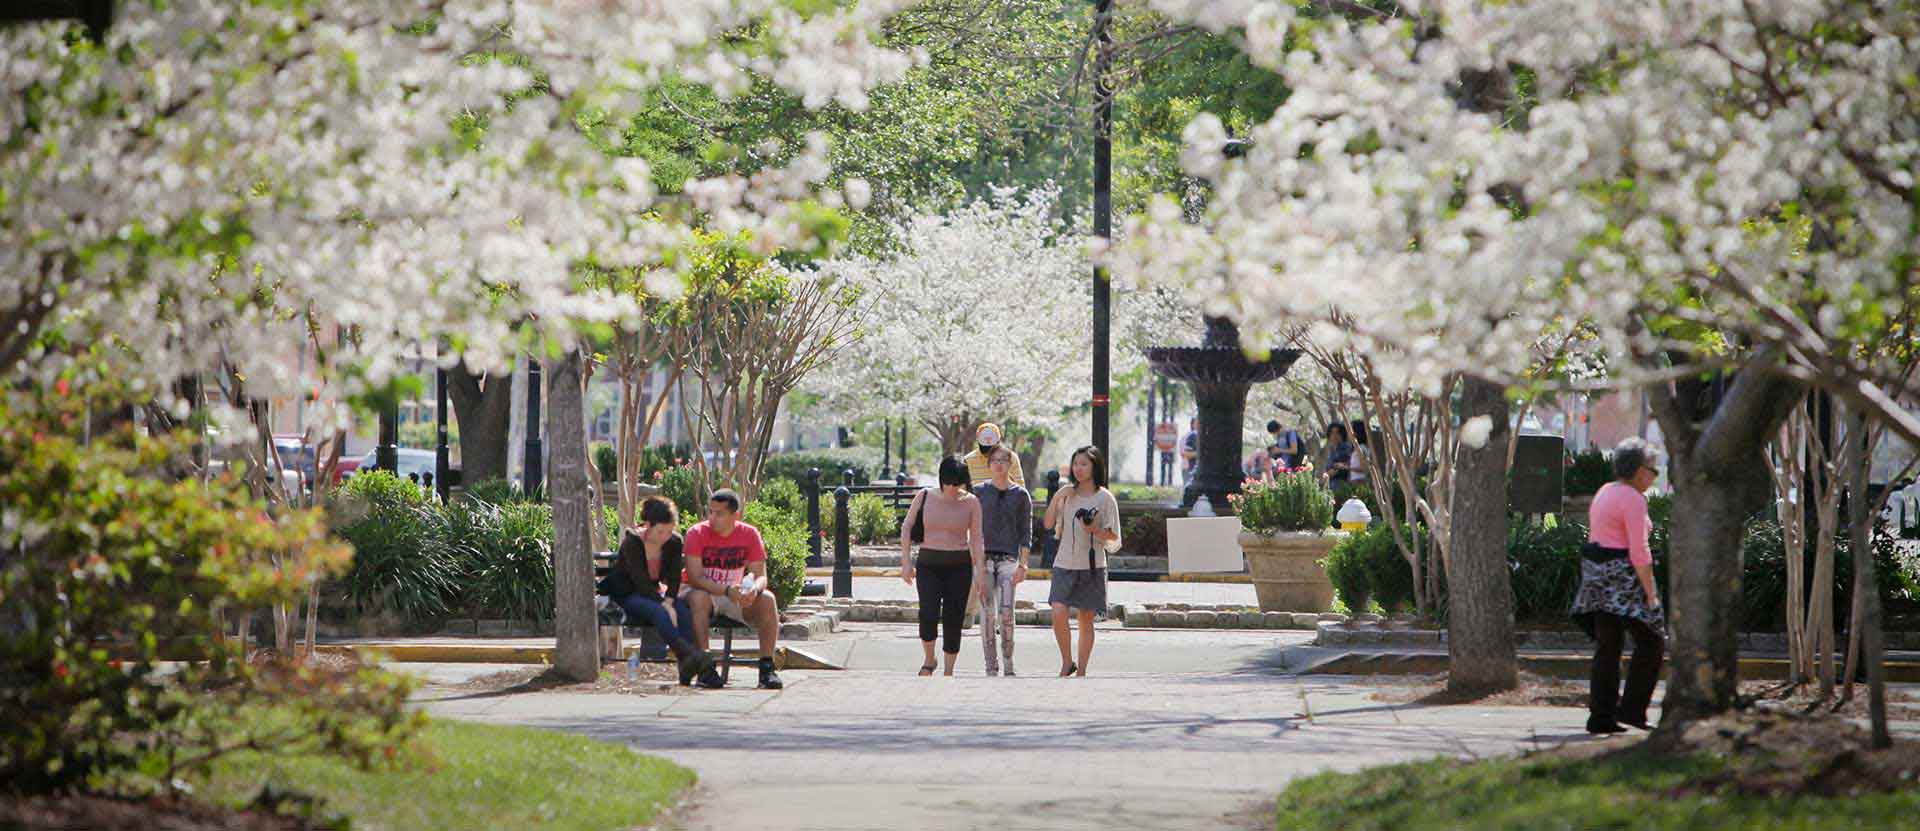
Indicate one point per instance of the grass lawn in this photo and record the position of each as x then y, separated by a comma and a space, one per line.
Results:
1629, 790
465, 776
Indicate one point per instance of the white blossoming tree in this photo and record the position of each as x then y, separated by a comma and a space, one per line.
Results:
218, 182
985, 313
982, 314
1723, 193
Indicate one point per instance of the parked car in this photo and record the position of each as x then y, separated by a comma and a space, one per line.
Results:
413, 461
343, 469
296, 455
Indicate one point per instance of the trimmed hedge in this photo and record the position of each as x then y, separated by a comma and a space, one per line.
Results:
865, 462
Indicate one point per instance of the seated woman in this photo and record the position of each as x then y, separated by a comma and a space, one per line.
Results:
651, 560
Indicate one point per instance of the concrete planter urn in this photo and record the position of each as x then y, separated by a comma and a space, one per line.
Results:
1287, 576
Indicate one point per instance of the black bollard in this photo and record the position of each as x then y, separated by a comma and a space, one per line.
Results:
842, 551
812, 487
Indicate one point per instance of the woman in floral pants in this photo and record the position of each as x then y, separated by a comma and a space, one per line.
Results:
1006, 521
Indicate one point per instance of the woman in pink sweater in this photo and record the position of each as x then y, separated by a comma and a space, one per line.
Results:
1617, 594
952, 557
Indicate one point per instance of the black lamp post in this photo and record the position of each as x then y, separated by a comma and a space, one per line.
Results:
386, 454
530, 481
96, 15
442, 464
1102, 217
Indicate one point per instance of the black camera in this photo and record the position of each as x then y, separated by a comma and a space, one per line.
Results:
1086, 515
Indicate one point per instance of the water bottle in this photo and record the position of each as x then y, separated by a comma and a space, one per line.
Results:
633, 665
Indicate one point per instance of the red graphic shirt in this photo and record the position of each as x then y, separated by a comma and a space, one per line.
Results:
724, 558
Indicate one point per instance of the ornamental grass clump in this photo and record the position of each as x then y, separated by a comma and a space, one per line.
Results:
1290, 502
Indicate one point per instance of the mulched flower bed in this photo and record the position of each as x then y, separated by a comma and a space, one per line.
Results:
106, 813
648, 679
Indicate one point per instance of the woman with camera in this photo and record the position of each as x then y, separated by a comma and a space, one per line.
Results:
952, 556
1086, 518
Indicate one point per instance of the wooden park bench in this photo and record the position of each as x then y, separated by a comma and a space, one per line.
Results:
725, 626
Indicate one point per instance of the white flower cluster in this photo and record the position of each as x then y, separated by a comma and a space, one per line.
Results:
1657, 171
223, 181
984, 313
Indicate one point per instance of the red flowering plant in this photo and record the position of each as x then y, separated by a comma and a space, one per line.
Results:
112, 561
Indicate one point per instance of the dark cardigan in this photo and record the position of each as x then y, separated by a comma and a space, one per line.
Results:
633, 560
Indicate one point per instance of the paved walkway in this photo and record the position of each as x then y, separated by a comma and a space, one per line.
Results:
872, 749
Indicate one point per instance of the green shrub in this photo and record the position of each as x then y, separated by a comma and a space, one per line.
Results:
1291, 502
1545, 566
863, 460
381, 489
607, 460
784, 494
1146, 535
1586, 472
1342, 565
1763, 578
111, 564
505, 558
493, 492
870, 519
1367, 565
397, 565
786, 542
682, 485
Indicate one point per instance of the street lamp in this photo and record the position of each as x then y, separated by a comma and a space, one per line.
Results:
1102, 217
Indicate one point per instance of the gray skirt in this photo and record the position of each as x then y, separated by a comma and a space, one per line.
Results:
1079, 588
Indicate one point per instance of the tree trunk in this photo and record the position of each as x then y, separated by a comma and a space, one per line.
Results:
1480, 619
1718, 467
576, 648
1866, 592
483, 406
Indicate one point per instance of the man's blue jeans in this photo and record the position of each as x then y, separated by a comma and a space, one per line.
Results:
679, 636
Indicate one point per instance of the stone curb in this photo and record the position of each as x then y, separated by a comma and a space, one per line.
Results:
1042, 574
1217, 616
807, 623
1568, 667
1375, 632
482, 653
1025, 612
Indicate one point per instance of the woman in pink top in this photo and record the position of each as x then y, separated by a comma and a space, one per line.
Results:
1617, 595
952, 556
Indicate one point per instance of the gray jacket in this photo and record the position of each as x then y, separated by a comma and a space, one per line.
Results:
1006, 517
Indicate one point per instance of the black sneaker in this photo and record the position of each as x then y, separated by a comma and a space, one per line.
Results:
709, 679
1605, 727
692, 664
769, 680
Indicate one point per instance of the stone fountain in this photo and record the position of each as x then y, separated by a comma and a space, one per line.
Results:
1220, 373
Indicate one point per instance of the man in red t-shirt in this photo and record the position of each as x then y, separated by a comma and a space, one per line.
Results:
720, 553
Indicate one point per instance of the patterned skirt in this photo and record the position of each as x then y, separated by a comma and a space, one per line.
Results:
1608, 585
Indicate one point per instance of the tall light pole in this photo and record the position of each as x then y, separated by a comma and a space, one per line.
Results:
1102, 218
530, 470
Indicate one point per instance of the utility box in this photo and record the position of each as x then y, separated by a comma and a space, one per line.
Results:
1537, 482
